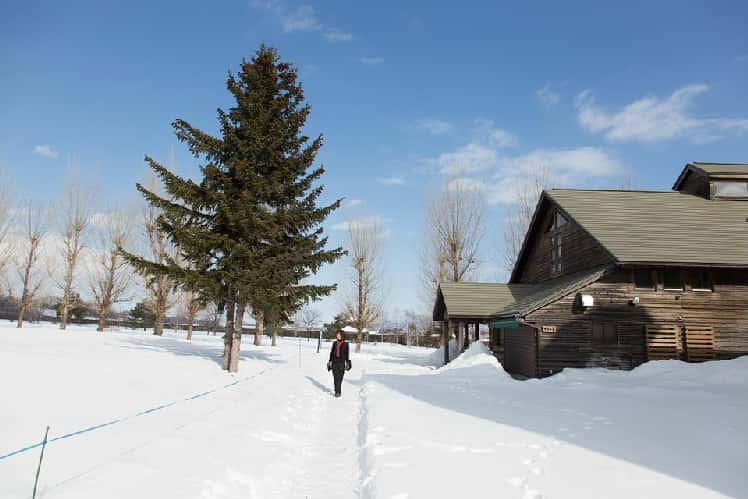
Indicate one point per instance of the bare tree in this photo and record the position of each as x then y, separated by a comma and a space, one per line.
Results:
110, 279
363, 304
191, 304
7, 250
74, 218
520, 214
213, 313
454, 231
34, 231
160, 287
305, 319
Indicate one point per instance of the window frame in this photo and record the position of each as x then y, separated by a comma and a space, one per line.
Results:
652, 280
709, 279
680, 275
713, 189
557, 244
600, 339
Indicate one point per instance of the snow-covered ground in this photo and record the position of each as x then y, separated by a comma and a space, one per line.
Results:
402, 429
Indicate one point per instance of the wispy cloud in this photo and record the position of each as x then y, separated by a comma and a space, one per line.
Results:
46, 150
372, 61
653, 119
434, 126
547, 95
391, 180
353, 202
480, 154
337, 36
469, 158
359, 222
302, 18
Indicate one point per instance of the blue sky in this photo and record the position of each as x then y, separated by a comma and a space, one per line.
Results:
407, 97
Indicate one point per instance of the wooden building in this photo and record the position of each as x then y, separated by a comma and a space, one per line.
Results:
614, 278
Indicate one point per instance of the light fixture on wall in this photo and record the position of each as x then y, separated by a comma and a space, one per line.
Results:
634, 301
587, 301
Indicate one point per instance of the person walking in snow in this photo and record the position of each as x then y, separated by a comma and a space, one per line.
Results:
339, 361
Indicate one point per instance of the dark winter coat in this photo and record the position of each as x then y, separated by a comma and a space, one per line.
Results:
344, 357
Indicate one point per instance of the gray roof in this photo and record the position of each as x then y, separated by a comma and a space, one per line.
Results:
479, 300
660, 226
551, 290
724, 168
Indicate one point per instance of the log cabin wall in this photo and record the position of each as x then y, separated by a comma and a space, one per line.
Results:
576, 339
579, 251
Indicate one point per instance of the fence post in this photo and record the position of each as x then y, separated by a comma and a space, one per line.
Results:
39, 467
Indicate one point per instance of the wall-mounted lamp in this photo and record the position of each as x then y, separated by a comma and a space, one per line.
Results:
587, 301
634, 301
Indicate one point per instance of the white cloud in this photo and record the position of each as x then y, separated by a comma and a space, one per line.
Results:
353, 202
301, 19
466, 184
359, 222
434, 126
502, 138
46, 151
653, 119
337, 36
547, 96
391, 180
372, 61
470, 158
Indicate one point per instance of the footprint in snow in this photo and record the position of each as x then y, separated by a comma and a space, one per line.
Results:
532, 494
516, 481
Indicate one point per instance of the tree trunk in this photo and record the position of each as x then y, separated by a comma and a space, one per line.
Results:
189, 328
274, 333
21, 311
259, 327
228, 336
237, 339
102, 322
359, 339
64, 315
158, 323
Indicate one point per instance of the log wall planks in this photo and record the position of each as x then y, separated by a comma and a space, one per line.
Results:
579, 251
723, 313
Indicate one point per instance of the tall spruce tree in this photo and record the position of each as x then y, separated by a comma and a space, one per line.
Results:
250, 230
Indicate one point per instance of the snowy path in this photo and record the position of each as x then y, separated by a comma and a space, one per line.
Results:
402, 429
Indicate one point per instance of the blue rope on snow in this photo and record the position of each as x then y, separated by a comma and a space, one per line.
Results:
115, 421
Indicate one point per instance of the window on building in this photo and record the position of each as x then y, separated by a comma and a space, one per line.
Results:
604, 333
559, 220
701, 280
672, 280
643, 279
730, 189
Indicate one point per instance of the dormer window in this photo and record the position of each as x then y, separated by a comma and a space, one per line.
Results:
559, 220
730, 189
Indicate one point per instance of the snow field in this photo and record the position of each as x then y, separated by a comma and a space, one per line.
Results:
402, 429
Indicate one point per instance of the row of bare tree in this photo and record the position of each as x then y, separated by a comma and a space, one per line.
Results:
51, 247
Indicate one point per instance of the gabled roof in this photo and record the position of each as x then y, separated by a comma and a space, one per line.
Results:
662, 227
551, 290
476, 300
708, 169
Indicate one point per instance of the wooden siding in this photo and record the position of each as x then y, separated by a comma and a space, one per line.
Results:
724, 310
520, 351
579, 251
695, 183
